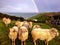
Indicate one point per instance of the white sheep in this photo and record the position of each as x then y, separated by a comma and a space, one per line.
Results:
24, 23
27, 24
7, 21
4, 20
44, 34
13, 34
18, 23
23, 34
30, 25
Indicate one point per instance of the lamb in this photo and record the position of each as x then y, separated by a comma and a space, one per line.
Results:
13, 34
44, 34
23, 34
7, 21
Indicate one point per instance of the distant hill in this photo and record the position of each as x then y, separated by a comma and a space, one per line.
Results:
11, 17
24, 15
4, 30
46, 16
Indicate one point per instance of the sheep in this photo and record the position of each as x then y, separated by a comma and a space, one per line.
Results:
13, 34
18, 23
27, 24
30, 25
23, 34
44, 34
7, 21
24, 23
4, 20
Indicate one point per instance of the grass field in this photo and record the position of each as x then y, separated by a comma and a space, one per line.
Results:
4, 31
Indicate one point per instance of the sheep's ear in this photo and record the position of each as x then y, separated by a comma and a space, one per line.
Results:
53, 30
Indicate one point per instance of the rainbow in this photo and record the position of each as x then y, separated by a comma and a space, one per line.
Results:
36, 8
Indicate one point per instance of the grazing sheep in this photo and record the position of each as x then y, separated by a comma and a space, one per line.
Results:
13, 34
7, 21
44, 34
23, 34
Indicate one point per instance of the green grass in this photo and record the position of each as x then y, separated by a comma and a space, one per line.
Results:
4, 31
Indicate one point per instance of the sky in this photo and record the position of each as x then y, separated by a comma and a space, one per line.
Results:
29, 6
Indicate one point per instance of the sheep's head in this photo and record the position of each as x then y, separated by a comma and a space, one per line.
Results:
23, 29
18, 23
36, 26
11, 29
9, 20
15, 28
54, 31
4, 20
30, 24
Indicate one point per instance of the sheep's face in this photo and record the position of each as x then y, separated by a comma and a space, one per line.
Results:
30, 24
55, 31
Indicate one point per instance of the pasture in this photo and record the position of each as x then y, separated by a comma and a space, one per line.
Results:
4, 31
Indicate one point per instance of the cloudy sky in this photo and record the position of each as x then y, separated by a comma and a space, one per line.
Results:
29, 6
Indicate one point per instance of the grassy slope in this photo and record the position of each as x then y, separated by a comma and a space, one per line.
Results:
4, 30
43, 17
4, 39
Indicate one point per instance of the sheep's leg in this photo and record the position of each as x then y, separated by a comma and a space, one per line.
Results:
24, 43
13, 42
34, 42
21, 43
46, 42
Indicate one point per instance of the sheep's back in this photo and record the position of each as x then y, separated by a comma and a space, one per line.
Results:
40, 34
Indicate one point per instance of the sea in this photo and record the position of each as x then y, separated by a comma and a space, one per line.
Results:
24, 15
